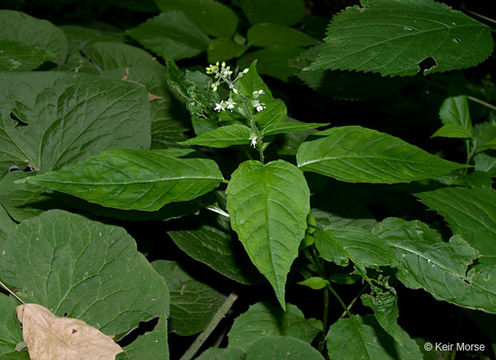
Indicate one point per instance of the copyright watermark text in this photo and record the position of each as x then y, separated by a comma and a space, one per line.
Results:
458, 346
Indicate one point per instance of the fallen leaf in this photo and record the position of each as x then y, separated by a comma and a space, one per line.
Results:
152, 97
49, 337
126, 75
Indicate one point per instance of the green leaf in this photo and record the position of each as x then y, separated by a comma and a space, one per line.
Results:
400, 35
211, 16
314, 283
193, 304
171, 35
10, 331
485, 136
216, 249
222, 354
27, 42
263, 319
281, 347
356, 154
151, 345
223, 49
112, 55
267, 35
134, 179
276, 112
455, 116
470, 212
486, 163
68, 117
84, 269
268, 205
222, 137
289, 127
441, 268
286, 12
340, 244
6, 224
361, 337
275, 61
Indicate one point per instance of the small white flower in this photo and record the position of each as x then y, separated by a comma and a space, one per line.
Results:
246, 70
219, 106
253, 139
230, 104
259, 106
257, 93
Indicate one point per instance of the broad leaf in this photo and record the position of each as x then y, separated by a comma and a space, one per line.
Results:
222, 354
10, 331
193, 304
223, 49
211, 16
269, 204
441, 268
341, 244
6, 224
455, 116
361, 337
485, 136
222, 137
135, 179
111, 55
286, 12
171, 35
356, 154
27, 42
263, 319
84, 269
67, 117
281, 347
289, 127
218, 250
470, 212
267, 35
400, 35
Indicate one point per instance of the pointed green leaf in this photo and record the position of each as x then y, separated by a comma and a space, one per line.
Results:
455, 111
263, 319
222, 137
441, 268
343, 243
223, 49
192, 303
453, 131
361, 337
356, 154
289, 127
171, 35
470, 212
27, 42
485, 136
211, 16
222, 354
134, 179
112, 55
218, 250
10, 330
314, 283
286, 12
84, 269
267, 35
400, 34
269, 204
281, 347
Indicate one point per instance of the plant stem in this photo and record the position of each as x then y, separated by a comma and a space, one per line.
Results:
219, 315
481, 16
11, 292
347, 311
336, 295
325, 320
254, 128
482, 102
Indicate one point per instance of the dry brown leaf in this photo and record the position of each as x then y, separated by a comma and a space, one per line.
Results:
49, 337
152, 97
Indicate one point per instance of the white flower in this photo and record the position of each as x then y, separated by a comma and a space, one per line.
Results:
256, 93
253, 139
230, 104
259, 106
220, 106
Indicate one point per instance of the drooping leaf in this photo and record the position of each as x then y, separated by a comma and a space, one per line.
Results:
134, 179
281, 347
268, 35
211, 16
268, 205
222, 137
455, 116
222, 354
223, 49
67, 117
171, 35
216, 249
27, 42
10, 331
289, 127
441, 268
49, 337
85, 269
193, 304
356, 154
400, 35
286, 12
361, 337
470, 212
342, 244
263, 319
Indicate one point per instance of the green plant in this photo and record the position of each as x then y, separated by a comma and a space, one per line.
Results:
328, 212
